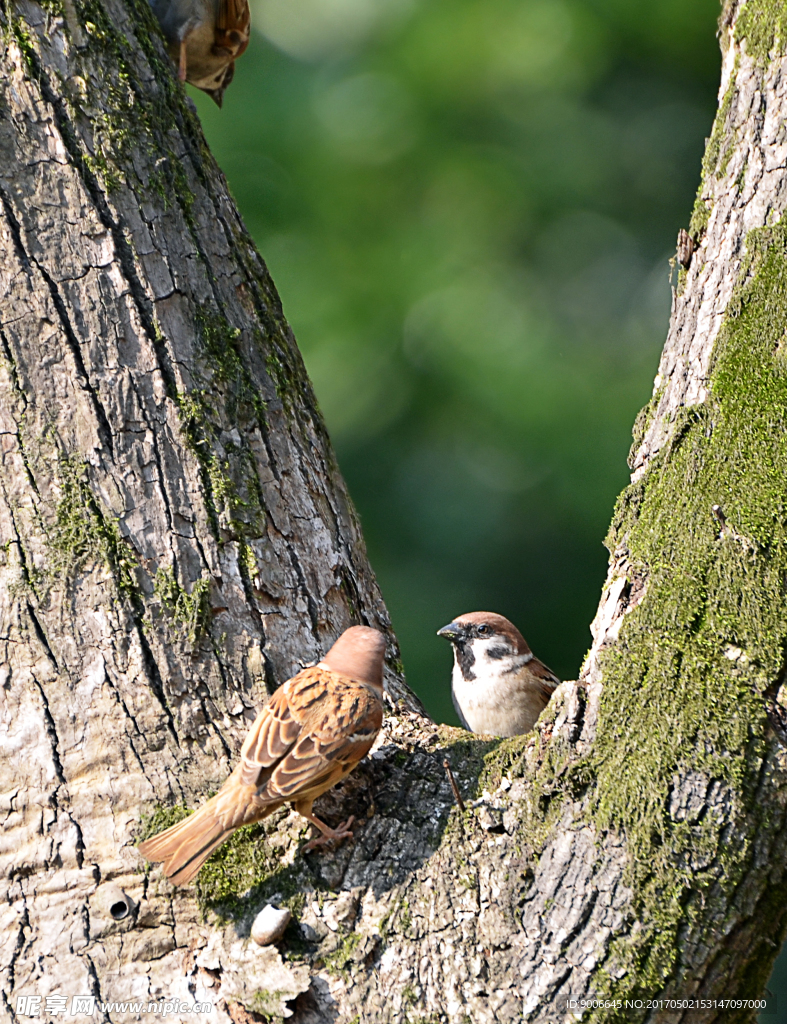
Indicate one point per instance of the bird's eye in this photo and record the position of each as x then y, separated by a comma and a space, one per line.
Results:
483, 630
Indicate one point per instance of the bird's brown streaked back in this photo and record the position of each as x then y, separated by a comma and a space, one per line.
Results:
316, 727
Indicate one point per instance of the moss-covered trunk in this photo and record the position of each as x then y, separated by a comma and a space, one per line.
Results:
175, 537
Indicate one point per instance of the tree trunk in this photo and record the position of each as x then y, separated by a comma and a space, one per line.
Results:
176, 536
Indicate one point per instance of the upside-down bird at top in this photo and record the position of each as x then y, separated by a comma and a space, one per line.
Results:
315, 729
205, 38
498, 685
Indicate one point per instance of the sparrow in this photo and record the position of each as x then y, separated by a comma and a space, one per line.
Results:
205, 38
498, 686
312, 733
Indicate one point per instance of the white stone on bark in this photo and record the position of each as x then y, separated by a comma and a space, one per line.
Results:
270, 924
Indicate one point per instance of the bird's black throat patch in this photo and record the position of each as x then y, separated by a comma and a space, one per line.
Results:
465, 659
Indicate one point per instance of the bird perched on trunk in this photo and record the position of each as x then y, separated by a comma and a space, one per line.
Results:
205, 38
498, 685
312, 733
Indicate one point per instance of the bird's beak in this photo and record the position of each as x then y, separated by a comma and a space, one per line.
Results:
451, 632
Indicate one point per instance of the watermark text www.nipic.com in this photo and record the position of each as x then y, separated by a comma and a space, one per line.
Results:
85, 1006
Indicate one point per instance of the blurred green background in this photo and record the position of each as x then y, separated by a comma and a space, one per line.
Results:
468, 207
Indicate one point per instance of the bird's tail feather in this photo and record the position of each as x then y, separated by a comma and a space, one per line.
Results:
185, 847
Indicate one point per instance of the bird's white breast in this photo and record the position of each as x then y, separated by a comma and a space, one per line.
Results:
500, 700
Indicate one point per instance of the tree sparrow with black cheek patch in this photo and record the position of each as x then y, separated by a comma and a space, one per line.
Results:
498, 685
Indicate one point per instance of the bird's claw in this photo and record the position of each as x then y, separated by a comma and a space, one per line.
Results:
342, 831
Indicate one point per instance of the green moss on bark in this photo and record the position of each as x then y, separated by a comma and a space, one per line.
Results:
763, 24
226, 397
84, 532
188, 612
340, 960
126, 117
130, 117
254, 864
683, 687
265, 1003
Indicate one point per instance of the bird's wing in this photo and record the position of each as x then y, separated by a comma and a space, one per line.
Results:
271, 736
318, 723
233, 22
339, 722
544, 678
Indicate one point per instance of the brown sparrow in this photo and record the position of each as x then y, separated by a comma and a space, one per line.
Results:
312, 733
205, 39
498, 685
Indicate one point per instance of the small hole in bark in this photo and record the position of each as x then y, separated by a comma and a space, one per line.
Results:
119, 909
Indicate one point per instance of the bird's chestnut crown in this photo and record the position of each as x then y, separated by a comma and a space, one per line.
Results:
484, 626
459, 632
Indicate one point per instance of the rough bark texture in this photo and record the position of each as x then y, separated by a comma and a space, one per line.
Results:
175, 538
175, 534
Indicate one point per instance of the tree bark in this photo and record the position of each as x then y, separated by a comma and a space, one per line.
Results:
176, 537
